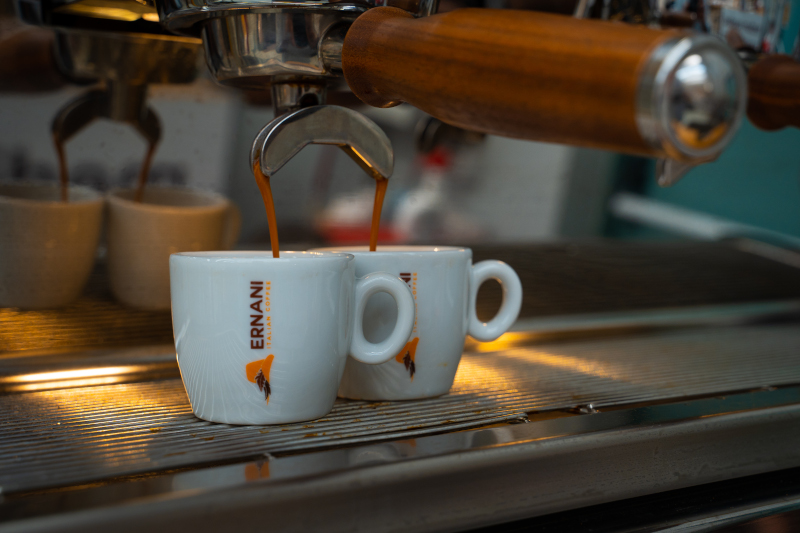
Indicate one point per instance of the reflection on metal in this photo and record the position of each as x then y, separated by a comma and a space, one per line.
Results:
291, 96
789, 257
247, 49
89, 322
83, 377
39, 372
71, 374
126, 64
630, 11
253, 44
690, 223
112, 15
127, 11
669, 171
539, 330
355, 134
127, 58
453, 481
184, 15
691, 98
83, 434
430, 133
556, 360
124, 103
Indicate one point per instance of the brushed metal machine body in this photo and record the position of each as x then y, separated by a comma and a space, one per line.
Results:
673, 381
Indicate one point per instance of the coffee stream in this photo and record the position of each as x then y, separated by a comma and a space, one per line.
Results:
63, 172
380, 193
63, 176
144, 172
262, 180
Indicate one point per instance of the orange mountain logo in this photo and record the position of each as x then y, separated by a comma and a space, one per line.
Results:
406, 356
258, 372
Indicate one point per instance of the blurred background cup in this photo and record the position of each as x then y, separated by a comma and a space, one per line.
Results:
142, 235
47, 246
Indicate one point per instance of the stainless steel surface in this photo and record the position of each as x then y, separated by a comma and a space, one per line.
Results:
248, 50
670, 171
630, 11
131, 58
129, 16
355, 134
331, 48
252, 44
448, 482
291, 96
83, 434
691, 98
628, 322
126, 63
38, 371
184, 15
120, 102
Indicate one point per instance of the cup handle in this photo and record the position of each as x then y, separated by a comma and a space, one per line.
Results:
233, 226
512, 299
376, 353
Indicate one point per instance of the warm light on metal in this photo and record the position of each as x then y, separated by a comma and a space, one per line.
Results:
73, 374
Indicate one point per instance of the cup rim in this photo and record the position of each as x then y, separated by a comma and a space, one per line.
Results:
219, 200
395, 249
250, 256
94, 196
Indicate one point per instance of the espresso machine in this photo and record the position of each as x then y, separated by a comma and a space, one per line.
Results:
666, 94
647, 386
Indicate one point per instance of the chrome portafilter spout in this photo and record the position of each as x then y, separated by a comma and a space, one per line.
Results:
294, 50
115, 101
359, 137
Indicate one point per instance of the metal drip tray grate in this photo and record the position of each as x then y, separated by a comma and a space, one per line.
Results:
69, 436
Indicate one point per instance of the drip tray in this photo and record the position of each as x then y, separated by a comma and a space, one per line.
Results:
98, 430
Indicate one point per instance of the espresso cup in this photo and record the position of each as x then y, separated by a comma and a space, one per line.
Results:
264, 341
445, 284
47, 246
142, 235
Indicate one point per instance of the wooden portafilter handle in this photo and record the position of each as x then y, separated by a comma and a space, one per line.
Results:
774, 86
554, 78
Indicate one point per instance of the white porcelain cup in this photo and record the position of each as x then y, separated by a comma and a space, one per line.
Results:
264, 341
47, 247
142, 235
445, 284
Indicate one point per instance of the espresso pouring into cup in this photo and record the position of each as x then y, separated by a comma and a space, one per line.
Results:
360, 138
445, 284
263, 340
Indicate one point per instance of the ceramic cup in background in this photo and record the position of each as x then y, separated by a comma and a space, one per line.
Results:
445, 284
264, 341
141, 237
47, 247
